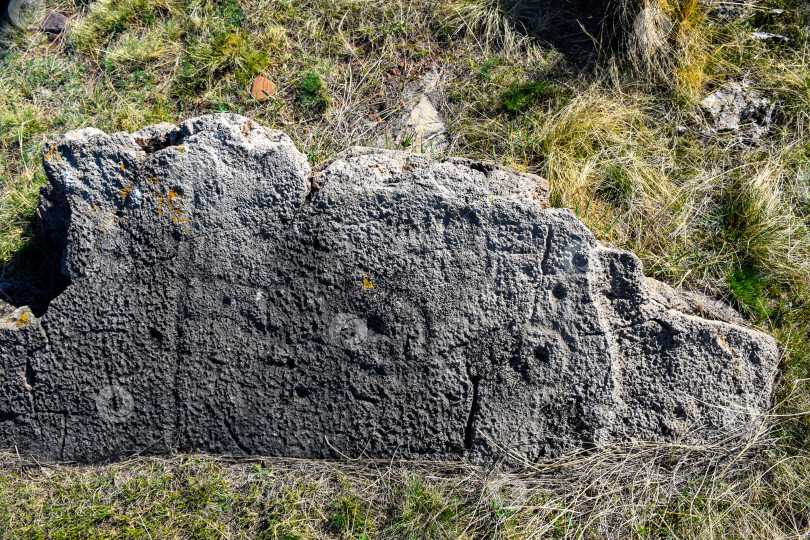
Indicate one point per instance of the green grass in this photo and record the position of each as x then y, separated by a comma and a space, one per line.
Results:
521, 95
312, 92
208, 497
619, 138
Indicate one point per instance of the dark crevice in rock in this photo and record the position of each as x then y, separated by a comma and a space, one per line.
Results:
468, 428
360, 397
154, 138
547, 253
30, 375
312, 190
7, 416
178, 428
64, 436
483, 167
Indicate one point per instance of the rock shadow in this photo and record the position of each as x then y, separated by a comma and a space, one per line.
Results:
33, 276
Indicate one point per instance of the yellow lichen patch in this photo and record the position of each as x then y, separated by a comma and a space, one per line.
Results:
124, 192
367, 284
181, 148
122, 167
22, 320
52, 153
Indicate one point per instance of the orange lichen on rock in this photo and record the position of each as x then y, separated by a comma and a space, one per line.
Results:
17, 321
172, 202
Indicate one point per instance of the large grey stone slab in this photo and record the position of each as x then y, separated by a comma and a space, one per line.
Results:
226, 298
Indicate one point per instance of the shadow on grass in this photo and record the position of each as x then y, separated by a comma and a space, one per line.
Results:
33, 277
578, 29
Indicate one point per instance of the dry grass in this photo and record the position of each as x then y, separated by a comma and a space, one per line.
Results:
621, 491
618, 132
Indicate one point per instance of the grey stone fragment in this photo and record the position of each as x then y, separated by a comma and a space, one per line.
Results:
769, 37
739, 107
225, 298
18, 13
53, 23
420, 126
692, 303
730, 9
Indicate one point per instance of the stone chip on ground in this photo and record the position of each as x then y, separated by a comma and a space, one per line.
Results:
738, 107
420, 126
54, 23
224, 297
262, 88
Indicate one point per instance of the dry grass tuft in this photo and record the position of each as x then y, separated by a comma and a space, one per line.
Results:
613, 122
621, 491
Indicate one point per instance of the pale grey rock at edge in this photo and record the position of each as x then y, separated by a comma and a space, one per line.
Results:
730, 9
225, 298
738, 107
420, 126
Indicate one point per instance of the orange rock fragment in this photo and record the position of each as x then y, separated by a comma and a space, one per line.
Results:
262, 88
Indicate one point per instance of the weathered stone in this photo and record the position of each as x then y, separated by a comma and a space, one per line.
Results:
5, 308
730, 9
769, 37
420, 126
54, 23
738, 107
15, 318
225, 298
18, 13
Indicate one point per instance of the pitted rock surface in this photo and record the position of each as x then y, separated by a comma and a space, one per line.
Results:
739, 107
226, 298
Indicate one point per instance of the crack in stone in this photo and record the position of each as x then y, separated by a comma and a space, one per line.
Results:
468, 428
30, 377
546, 255
176, 430
64, 437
